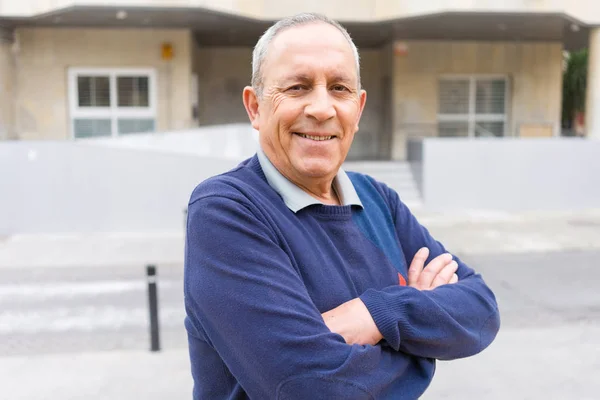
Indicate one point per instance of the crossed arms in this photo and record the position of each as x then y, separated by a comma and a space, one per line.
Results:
263, 324
353, 321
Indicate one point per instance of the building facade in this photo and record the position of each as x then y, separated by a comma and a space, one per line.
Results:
76, 69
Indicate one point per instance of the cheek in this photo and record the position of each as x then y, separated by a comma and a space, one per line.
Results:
349, 116
287, 112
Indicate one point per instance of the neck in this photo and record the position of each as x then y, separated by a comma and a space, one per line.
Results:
321, 188
322, 191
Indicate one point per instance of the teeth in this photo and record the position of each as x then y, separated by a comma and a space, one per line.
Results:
317, 138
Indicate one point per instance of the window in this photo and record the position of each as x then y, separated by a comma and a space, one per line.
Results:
111, 102
472, 106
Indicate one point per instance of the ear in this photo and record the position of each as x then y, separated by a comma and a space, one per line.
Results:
251, 105
362, 101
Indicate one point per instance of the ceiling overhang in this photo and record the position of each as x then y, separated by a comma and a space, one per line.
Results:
212, 28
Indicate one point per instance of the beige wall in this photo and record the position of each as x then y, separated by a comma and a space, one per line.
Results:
42, 110
223, 74
6, 90
361, 10
534, 71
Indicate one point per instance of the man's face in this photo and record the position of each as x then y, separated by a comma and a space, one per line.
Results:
311, 103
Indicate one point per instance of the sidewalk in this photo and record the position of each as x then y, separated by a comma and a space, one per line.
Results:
467, 232
109, 375
533, 363
91, 250
501, 232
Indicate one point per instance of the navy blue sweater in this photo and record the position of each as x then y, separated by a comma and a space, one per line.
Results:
258, 277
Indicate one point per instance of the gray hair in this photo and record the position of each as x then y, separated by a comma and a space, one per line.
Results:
260, 50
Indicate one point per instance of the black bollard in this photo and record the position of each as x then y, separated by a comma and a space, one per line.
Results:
153, 306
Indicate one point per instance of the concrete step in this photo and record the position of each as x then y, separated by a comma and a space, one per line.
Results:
397, 175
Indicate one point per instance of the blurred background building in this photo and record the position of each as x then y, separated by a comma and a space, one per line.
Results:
484, 116
167, 76
84, 68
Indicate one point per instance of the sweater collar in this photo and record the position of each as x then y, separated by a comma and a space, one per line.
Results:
295, 198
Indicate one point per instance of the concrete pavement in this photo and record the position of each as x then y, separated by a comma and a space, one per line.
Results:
548, 346
527, 363
542, 267
531, 363
475, 232
108, 375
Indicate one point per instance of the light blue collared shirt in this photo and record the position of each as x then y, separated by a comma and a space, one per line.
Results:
295, 198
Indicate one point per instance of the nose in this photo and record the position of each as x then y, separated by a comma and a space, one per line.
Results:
320, 106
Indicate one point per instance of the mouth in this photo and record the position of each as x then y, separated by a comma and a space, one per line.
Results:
316, 138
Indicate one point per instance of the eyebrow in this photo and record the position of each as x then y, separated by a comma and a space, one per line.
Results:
294, 78
306, 78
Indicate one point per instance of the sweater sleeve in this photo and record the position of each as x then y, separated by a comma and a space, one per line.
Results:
452, 321
243, 292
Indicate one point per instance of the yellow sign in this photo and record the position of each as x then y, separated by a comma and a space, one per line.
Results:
167, 51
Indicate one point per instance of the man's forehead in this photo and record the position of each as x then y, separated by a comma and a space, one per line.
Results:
299, 47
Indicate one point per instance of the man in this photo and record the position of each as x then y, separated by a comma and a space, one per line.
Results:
297, 283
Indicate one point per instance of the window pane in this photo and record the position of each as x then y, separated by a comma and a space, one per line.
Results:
93, 91
489, 129
454, 97
491, 96
87, 127
132, 125
453, 129
133, 91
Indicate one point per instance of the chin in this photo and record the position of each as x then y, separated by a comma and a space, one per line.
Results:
319, 168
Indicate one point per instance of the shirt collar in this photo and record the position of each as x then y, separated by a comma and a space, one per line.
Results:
295, 198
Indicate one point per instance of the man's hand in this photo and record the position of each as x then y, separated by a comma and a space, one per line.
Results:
353, 322
440, 271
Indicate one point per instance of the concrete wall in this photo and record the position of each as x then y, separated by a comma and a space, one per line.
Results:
64, 187
223, 73
534, 71
361, 10
7, 90
46, 54
227, 142
510, 174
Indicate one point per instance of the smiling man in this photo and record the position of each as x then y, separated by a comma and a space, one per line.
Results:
303, 281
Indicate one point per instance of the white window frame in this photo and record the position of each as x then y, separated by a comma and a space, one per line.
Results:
471, 118
114, 112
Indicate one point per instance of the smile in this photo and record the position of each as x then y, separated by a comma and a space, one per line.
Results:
317, 138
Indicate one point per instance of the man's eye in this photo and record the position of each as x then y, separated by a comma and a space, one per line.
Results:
340, 88
295, 88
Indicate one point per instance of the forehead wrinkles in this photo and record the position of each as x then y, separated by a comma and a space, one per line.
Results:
303, 44
310, 68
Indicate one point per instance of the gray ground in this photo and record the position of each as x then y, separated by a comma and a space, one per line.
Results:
549, 343
82, 333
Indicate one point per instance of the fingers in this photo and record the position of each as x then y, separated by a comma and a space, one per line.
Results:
446, 275
454, 279
431, 271
417, 265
